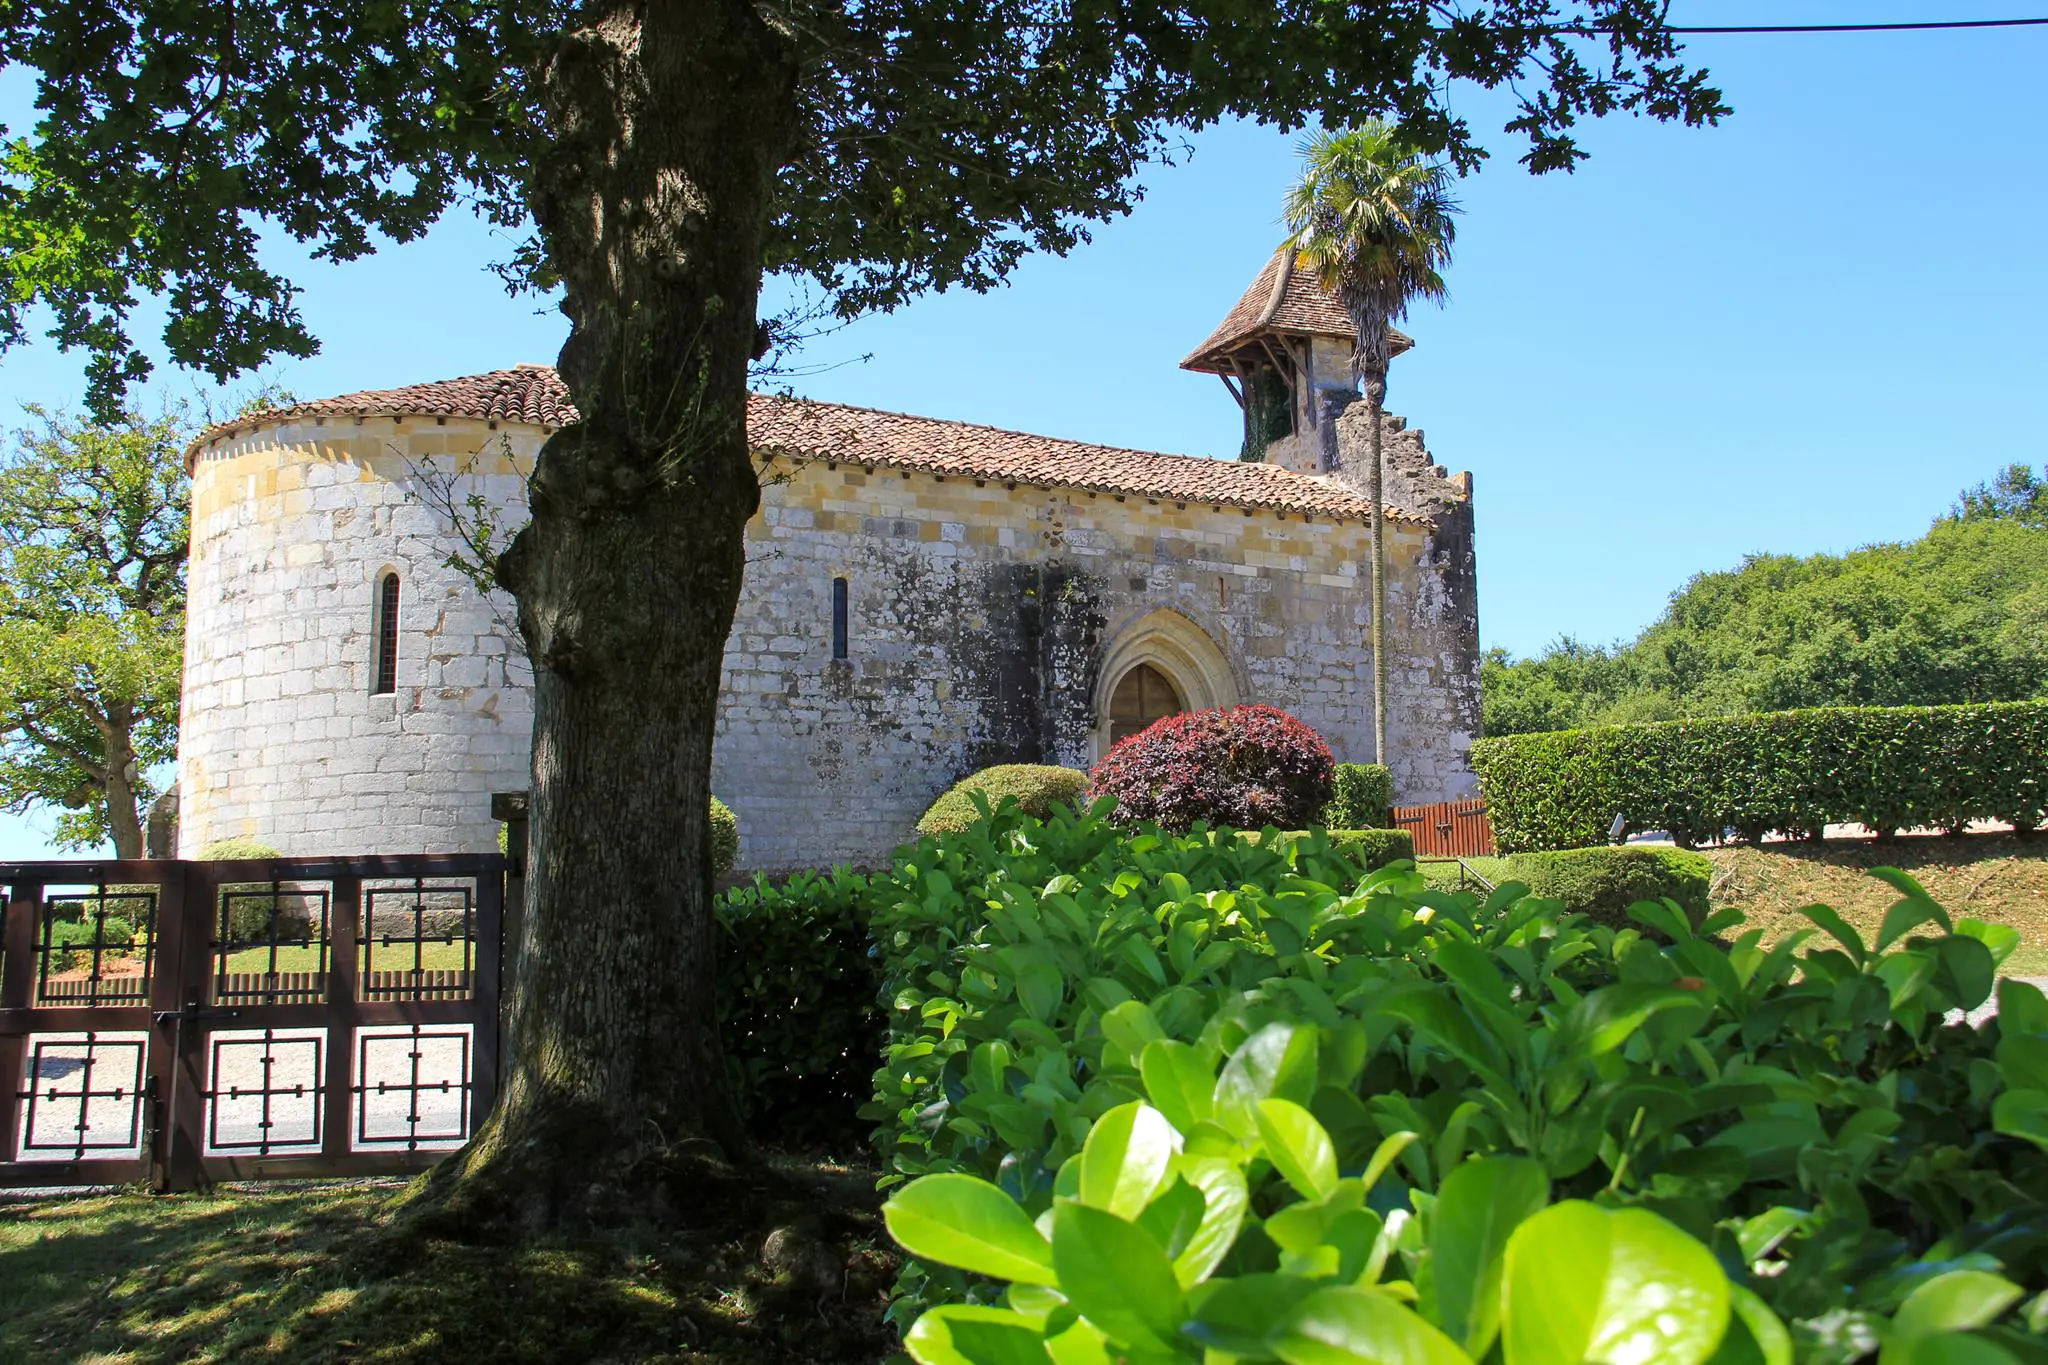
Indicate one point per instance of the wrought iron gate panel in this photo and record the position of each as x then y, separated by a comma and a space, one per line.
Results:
185, 1022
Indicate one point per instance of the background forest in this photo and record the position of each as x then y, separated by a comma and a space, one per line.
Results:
1959, 615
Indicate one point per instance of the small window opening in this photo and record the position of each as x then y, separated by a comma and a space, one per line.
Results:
838, 618
386, 680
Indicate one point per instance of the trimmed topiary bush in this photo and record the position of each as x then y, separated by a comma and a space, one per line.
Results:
1361, 797
1038, 787
89, 937
725, 838
1604, 882
1242, 766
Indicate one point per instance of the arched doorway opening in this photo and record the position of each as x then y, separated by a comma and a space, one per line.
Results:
1159, 664
1142, 696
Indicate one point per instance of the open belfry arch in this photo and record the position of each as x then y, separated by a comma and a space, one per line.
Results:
1284, 353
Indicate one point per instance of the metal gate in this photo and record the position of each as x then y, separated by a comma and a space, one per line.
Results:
1448, 829
186, 1022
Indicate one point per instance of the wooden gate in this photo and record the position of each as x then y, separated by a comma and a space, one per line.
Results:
186, 1022
1448, 829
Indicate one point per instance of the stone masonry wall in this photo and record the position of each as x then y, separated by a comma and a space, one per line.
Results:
980, 614
281, 740
1432, 611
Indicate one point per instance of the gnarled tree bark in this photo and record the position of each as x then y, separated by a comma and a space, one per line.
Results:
669, 119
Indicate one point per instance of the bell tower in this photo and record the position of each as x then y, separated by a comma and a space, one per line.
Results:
1284, 353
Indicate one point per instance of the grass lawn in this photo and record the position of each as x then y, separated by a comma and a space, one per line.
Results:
434, 957
315, 1273
1448, 876
1982, 876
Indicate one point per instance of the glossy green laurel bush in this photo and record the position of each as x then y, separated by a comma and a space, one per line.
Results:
1369, 849
1199, 1245
1795, 772
1801, 1110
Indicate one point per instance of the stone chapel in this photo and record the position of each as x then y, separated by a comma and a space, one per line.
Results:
923, 598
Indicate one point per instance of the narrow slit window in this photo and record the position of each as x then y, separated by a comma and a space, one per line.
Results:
838, 618
385, 681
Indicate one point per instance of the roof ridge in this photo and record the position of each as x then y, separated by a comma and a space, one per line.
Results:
1281, 279
813, 429
1015, 431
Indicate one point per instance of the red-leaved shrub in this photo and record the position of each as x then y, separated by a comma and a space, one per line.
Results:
1242, 766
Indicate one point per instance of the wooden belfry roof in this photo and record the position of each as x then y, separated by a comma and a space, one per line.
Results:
1284, 301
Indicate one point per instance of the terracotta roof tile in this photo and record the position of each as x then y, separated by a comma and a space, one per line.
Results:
528, 393
898, 440
798, 427
1285, 300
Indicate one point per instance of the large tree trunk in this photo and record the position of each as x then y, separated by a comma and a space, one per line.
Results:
669, 118
124, 822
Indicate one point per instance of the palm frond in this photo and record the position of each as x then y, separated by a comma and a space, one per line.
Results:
1373, 218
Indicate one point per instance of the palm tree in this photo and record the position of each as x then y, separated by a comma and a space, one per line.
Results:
1373, 218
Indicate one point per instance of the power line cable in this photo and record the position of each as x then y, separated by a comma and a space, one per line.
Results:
1596, 30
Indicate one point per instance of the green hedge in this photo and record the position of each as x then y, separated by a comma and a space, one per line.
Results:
798, 1015
236, 851
1361, 797
1795, 772
1375, 848
1604, 882
255, 916
1038, 788
725, 838
1188, 1083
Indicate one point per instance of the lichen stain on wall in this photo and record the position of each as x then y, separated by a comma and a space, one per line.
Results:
1029, 653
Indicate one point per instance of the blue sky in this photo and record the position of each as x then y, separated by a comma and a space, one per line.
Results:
1801, 331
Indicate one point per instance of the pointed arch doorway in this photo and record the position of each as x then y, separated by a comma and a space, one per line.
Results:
1159, 665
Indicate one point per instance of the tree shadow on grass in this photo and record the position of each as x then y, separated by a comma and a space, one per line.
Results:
322, 1273
1910, 852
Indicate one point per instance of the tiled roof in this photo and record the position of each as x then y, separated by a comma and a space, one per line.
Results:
1285, 300
532, 394
798, 427
900, 441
